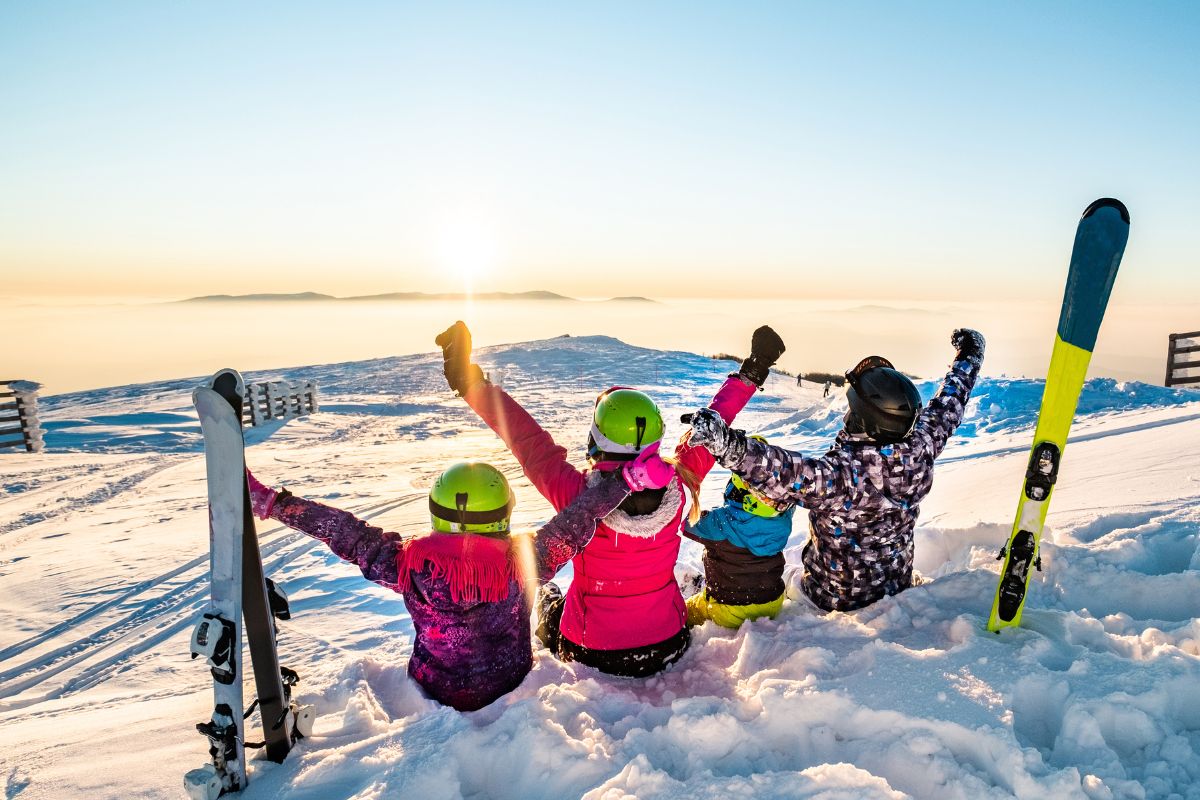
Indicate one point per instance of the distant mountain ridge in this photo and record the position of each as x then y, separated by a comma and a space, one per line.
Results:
401, 296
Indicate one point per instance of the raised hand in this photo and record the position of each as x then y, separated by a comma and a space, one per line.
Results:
262, 498
710, 432
968, 344
765, 349
460, 373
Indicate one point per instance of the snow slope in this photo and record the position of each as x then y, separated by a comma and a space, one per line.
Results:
103, 569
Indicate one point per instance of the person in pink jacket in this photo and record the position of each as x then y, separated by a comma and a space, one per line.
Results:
623, 613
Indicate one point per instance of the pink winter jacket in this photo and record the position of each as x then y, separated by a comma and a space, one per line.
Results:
624, 593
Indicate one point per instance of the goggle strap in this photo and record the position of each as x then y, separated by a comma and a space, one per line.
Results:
606, 445
868, 363
853, 375
464, 517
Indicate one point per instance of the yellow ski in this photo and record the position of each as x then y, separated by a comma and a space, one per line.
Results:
1099, 244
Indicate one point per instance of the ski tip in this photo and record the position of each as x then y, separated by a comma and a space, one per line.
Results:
1107, 202
228, 383
198, 392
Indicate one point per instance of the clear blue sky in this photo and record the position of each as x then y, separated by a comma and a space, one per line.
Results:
915, 150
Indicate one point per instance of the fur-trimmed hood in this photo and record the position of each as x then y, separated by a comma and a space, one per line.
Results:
644, 526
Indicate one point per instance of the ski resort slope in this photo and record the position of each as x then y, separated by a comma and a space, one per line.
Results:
103, 571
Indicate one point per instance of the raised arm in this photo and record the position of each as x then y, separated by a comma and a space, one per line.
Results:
564, 536
776, 473
734, 394
570, 530
938, 421
728, 402
371, 549
543, 461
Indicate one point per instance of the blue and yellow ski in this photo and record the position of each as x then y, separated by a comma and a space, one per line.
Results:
1099, 244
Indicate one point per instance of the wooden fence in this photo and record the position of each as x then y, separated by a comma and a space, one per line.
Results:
279, 400
1182, 350
18, 416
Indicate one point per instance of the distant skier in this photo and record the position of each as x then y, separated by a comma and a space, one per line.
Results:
624, 613
463, 582
743, 561
828, 386
863, 495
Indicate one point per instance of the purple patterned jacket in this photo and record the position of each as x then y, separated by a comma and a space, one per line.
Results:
467, 652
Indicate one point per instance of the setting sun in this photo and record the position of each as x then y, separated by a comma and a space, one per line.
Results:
466, 249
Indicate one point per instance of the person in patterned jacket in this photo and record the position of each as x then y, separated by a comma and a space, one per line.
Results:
468, 584
864, 495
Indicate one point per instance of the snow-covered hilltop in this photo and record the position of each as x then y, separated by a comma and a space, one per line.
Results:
103, 559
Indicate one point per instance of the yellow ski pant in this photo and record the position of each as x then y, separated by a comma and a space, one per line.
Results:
700, 608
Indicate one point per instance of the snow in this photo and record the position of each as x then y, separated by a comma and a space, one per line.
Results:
103, 569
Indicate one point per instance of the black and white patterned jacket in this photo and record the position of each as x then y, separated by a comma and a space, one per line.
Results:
863, 499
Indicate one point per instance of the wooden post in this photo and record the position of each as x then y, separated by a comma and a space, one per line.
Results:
18, 406
24, 424
1170, 359
1174, 351
10, 405
256, 392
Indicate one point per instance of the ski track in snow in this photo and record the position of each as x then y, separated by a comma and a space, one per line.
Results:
63, 503
102, 565
158, 611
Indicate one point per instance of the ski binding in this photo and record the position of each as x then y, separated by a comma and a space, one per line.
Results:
1014, 581
212, 780
213, 639
278, 600
1042, 473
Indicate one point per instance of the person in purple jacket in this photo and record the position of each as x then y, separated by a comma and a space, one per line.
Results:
469, 582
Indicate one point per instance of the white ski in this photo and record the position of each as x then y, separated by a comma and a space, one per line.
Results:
218, 635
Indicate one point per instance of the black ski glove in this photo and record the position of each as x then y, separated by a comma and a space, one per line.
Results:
968, 345
461, 374
765, 349
710, 432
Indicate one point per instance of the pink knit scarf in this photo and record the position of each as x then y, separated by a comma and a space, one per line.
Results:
477, 568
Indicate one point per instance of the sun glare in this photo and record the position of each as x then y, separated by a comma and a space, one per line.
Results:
466, 250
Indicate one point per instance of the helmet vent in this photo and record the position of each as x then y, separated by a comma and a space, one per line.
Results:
640, 423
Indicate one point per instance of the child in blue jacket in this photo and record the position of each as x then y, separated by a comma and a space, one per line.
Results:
743, 540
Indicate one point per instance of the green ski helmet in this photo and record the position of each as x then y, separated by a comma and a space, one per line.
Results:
738, 492
471, 497
625, 421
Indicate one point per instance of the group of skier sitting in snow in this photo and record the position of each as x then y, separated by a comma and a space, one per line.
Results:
471, 584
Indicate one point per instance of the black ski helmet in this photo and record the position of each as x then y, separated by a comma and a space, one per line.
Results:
883, 401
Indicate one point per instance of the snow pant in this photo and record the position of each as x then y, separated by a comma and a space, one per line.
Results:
701, 607
631, 662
